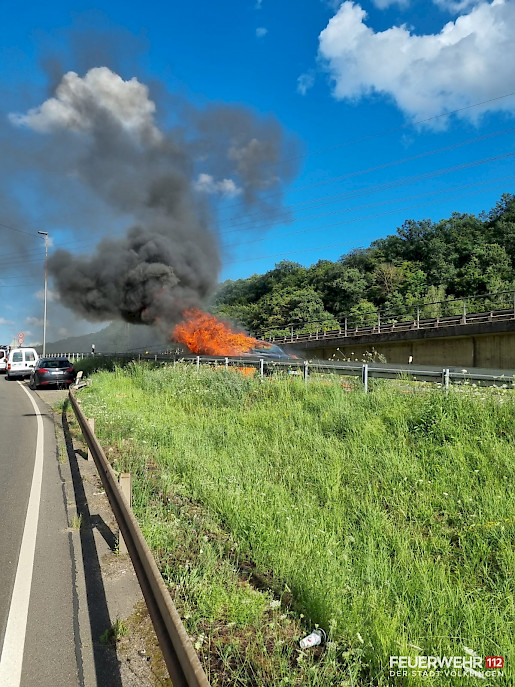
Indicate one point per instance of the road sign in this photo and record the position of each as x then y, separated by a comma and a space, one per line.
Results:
21, 338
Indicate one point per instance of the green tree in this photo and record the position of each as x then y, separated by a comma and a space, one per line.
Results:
363, 313
488, 269
339, 286
301, 308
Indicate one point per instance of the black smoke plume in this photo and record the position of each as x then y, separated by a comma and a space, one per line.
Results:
168, 182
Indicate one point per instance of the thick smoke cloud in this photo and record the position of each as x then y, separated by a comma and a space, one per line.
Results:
168, 260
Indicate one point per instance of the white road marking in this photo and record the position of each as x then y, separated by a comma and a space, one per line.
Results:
11, 658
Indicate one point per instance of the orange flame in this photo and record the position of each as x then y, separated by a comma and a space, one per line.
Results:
204, 334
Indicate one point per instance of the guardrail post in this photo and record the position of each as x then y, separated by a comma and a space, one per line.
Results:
418, 317
364, 377
91, 424
291, 330
198, 363
464, 318
226, 363
378, 322
261, 368
125, 482
306, 370
445, 378
345, 325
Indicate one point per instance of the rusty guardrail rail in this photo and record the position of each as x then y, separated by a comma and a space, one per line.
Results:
180, 657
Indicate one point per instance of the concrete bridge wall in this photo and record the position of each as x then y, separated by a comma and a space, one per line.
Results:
493, 346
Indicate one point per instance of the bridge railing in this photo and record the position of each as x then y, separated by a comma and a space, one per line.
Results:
452, 312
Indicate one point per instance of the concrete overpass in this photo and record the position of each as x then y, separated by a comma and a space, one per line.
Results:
484, 340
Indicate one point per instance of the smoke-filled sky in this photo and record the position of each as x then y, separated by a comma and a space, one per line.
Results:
166, 147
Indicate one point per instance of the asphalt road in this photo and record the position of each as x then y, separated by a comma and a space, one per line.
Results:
38, 601
61, 587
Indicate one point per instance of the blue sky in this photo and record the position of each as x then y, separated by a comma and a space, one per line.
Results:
379, 111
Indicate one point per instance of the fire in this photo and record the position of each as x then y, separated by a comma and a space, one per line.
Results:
204, 334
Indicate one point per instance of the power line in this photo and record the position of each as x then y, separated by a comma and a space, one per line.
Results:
387, 132
292, 252
408, 125
367, 190
13, 286
356, 219
444, 191
400, 161
19, 231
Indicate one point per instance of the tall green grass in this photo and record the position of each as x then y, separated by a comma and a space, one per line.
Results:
389, 517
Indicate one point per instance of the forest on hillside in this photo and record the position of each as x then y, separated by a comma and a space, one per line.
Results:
433, 265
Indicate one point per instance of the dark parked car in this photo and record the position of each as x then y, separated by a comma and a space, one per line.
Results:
52, 371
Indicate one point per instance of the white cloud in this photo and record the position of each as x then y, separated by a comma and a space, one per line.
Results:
456, 6
207, 184
82, 104
51, 296
305, 82
258, 5
469, 61
261, 32
6, 322
34, 321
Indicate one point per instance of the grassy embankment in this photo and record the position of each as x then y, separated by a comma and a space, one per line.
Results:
387, 518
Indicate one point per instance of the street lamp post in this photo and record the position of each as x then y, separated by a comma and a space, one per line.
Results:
45, 234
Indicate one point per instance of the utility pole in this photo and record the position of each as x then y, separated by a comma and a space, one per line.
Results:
45, 234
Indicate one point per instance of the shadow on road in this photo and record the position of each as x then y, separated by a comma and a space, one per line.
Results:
107, 667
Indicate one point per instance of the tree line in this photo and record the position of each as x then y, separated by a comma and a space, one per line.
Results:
427, 264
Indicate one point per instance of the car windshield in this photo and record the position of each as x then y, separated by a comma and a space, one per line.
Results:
53, 364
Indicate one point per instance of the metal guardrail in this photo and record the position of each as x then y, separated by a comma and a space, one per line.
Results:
364, 371
178, 652
299, 366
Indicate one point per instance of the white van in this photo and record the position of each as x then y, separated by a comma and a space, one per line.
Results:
20, 362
